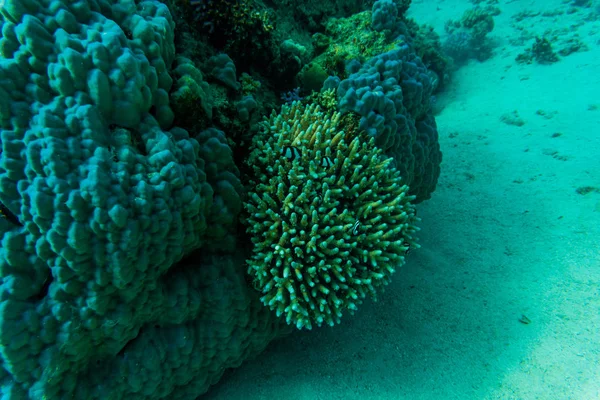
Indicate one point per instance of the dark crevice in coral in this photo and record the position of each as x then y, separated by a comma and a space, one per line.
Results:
127, 345
152, 111
44, 289
138, 142
6, 213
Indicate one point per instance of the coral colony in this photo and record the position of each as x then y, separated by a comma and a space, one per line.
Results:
166, 212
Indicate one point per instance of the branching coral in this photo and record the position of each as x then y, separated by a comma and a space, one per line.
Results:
329, 218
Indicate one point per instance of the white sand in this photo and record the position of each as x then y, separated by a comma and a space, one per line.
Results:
505, 235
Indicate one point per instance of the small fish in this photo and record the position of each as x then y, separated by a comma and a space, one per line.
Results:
326, 162
291, 152
355, 227
407, 251
524, 320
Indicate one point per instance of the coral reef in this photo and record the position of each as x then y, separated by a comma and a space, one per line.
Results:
467, 38
392, 93
314, 14
123, 145
383, 15
370, 33
330, 221
540, 51
191, 98
103, 197
231, 24
428, 47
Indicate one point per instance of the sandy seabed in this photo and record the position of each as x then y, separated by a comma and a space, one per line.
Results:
502, 301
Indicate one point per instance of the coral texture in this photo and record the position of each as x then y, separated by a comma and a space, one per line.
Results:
330, 220
392, 94
101, 201
384, 14
467, 38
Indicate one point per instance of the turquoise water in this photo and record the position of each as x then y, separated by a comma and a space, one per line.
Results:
204, 199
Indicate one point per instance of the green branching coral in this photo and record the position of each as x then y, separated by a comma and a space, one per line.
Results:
330, 220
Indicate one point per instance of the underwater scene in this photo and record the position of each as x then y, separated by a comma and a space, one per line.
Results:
300, 199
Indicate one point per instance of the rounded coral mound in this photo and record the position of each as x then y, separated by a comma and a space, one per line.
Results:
329, 218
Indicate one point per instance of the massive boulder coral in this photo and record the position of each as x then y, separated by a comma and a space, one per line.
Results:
101, 199
384, 14
329, 219
468, 37
392, 94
